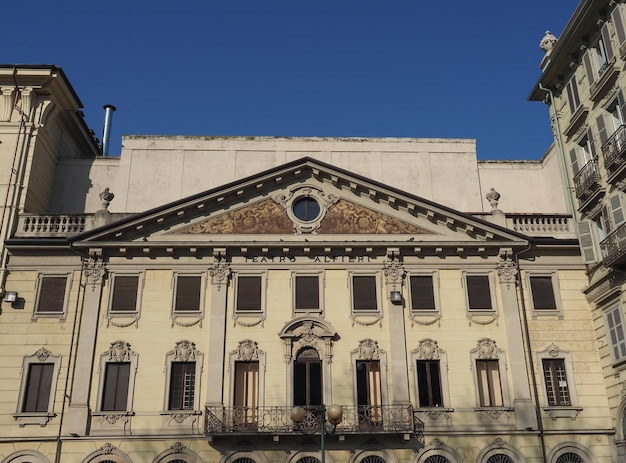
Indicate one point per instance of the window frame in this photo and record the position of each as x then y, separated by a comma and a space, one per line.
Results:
435, 287
487, 349
247, 351
320, 288
556, 291
368, 350
184, 352
61, 315
553, 352
198, 314
134, 314
428, 350
377, 286
492, 294
573, 95
118, 352
250, 313
41, 418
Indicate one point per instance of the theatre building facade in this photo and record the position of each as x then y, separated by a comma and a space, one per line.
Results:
275, 300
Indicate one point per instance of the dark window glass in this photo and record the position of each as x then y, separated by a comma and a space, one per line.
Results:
188, 293
308, 378
307, 293
429, 383
557, 389
115, 393
182, 385
249, 293
125, 294
38, 386
306, 209
52, 294
364, 292
478, 293
543, 293
422, 292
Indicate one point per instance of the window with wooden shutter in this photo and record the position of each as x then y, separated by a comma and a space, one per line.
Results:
38, 387
557, 390
542, 291
115, 392
307, 293
572, 95
478, 293
249, 292
188, 292
619, 20
422, 292
586, 240
489, 385
364, 294
615, 332
51, 294
124, 297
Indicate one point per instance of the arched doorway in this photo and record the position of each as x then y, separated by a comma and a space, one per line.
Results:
307, 378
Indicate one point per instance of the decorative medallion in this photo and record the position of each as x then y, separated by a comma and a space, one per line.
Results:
486, 349
119, 351
184, 351
247, 351
178, 447
107, 448
42, 354
428, 350
368, 350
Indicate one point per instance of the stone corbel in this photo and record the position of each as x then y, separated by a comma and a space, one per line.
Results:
7, 104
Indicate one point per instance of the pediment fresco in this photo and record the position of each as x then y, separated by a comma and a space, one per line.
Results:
268, 217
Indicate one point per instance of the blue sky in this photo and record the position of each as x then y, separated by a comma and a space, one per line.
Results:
346, 68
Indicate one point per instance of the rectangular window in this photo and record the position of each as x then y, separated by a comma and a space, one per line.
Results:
617, 16
369, 393
478, 293
124, 298
543, 293
307, 293
188, 291
364, 294
182, 385
422, 292
557, 390
615, 326
489, 386
51, 295
115, 392
246, 394
429, 383
249, 294
38, 387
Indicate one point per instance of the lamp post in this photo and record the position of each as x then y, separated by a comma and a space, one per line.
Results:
314, 419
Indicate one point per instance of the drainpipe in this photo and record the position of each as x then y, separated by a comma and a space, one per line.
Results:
540, 429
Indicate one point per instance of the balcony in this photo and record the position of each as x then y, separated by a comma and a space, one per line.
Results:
614, 247
271, 421
555, 225
587, 185
614, 153
52, 226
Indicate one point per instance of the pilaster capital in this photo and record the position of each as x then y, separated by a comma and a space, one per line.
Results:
506, 268
94, 269
219, 272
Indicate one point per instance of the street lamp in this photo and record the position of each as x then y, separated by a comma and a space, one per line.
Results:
311, 420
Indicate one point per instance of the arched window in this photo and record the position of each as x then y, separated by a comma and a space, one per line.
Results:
499, 458
307, 378
570, 457
308, 459
373, 459
436, 459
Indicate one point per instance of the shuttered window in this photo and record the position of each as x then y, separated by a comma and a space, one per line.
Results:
572, 95
52, 294
125, 293
188, 290
38, 387
615, 324
364, 296
618, 18
422, 292
586, 240
543, 293
478, 292
249, 294
307, 291
115, 393
489, 386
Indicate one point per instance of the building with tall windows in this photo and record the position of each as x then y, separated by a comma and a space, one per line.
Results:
288, 300
583, 83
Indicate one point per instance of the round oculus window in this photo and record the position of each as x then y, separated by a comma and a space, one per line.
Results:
306, 209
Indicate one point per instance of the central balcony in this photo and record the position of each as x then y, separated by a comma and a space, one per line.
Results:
385, 419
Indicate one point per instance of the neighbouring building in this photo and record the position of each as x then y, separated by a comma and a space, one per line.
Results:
176, 303
584, 84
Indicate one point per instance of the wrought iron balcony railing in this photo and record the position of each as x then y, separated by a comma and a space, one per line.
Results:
586, 179
614, 150
614, 247
385, 419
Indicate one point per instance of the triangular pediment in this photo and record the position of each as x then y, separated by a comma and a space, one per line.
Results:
269, 217
263, 210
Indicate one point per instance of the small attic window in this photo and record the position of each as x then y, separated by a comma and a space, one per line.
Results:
306, 209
